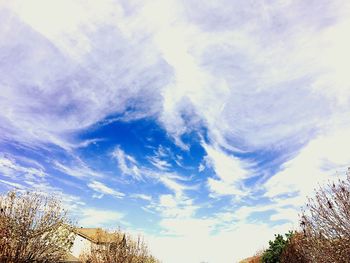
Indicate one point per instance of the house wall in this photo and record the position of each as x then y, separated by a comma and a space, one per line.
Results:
80, 245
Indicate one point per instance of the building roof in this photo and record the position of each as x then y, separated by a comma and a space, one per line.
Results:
96, 235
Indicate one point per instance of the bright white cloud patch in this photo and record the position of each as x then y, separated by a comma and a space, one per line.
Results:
320, 160
91, 217
230, 171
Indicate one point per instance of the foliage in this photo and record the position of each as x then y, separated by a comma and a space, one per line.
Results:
276, 247
120, 248
33, 228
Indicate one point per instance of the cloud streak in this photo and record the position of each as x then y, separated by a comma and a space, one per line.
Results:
104, 189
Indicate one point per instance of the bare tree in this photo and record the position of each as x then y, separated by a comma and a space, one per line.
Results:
120, 248
295, 250
33, 228
326, 223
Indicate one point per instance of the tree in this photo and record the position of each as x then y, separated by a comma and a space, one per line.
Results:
274, 252
33, 228
295, 250
326, 223
120, 248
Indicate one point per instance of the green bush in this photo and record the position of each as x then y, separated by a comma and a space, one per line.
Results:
274, 252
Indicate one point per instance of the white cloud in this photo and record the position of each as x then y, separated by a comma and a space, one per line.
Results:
224, 237
320, 160
177, 188
174, 207
290, 214
249, 82
161, 157
160, 164
174, 182
229, 170
104, 189
280, 209
24, 173
324, 158
10, 168
127, 164
78, 170
57, 58
40, 185
201, 167
220, 188
92, 217
235, 78
142, 196
167, 201
12, 184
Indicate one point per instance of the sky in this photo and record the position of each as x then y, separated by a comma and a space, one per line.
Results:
202, 125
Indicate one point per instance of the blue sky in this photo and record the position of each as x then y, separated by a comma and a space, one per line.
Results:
202, 125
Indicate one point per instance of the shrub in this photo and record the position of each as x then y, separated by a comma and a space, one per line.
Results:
276, 247
295, 250
33, 228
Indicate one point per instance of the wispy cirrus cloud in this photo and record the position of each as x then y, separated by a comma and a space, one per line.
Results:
53, 67
233, 62
160, 159
255, 90
10, 168
104, 189
126, 163
11, 184
78, 170
143, 197
158, 163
